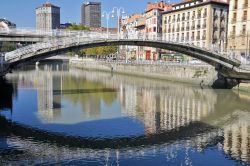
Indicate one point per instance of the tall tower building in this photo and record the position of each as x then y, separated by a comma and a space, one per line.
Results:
47, 17
239, 29
91, 14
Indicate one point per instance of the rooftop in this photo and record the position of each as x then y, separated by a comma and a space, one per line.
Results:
158, 5
48, 5
187, 4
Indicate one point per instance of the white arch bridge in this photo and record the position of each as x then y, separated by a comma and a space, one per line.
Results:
228, 68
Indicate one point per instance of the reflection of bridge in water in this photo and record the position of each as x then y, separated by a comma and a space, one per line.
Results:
162, 106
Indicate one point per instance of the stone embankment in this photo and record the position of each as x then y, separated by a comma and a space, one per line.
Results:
200, 74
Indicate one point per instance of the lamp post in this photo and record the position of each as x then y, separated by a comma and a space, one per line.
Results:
119, 12
107, 16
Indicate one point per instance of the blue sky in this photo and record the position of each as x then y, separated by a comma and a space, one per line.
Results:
22, 12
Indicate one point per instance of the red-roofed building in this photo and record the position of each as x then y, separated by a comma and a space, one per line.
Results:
154, 27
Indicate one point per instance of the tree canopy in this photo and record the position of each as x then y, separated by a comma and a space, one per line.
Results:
80, 27
7, 47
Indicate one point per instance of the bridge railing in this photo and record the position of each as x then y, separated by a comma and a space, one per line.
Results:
43, 33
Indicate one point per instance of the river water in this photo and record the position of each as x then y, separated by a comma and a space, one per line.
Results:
52, 114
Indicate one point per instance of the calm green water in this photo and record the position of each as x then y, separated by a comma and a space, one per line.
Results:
51, 114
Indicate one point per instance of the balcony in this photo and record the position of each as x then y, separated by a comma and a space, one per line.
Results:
215, 16
243, 32
173, 20
204, 15
233, 21
193, 27
222, 29
199, 16
232, 34
222, 17
215, 28
182, 29
204, 26
203, 37
192, 38
183, 18
244, 18
188, 17
245, 5
193, 17
187, 28
178, 29
197, 37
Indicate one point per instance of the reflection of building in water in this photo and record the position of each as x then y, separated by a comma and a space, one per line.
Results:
49, 88
237, 139
166, 109
48, 102
147, 106
129, 99
180, 107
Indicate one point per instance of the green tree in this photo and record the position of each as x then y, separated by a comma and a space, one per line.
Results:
7, 47
101, 51
80, 27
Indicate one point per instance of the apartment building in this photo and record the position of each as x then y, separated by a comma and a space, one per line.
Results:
201, 23
154, 27
239, 28
133, 26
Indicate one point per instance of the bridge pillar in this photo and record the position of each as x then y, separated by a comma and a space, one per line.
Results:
4, 67
222, 82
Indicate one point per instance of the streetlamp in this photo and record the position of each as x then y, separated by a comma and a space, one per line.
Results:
119, 12
107, 16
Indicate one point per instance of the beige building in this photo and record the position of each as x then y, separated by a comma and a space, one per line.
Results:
47, 17
198, 22
239, 28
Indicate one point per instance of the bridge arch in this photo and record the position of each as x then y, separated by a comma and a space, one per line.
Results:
204, 55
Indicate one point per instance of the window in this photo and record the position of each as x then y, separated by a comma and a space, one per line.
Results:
244, 18
235, 4
243, 29
234, 17
154, 20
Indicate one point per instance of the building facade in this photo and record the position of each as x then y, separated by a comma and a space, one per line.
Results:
47, 17
239, 28
91, 14
201, 23
132, 26
154, 27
